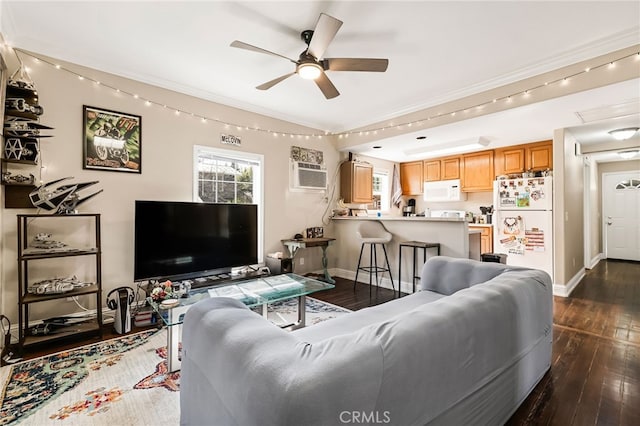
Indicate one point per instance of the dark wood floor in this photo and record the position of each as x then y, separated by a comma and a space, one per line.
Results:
595, 373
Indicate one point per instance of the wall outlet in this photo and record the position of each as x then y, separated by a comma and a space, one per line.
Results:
302, 261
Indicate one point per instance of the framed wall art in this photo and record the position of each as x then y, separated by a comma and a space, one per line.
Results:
112, 140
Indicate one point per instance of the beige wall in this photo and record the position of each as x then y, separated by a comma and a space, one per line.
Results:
167, 163
573, 195
591, 206
568, 217
617, 166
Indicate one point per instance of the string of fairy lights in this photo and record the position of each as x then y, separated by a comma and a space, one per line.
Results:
524, 94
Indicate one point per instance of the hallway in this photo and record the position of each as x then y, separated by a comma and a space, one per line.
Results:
595, 371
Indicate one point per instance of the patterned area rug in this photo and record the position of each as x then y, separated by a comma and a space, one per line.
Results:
123, 381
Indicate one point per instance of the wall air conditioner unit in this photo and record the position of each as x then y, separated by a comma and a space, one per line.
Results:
308, 176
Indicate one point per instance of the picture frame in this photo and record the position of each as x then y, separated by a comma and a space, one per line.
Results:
112, 140
315, 232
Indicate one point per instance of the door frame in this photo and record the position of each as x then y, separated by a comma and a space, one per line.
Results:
586, 210
624, 174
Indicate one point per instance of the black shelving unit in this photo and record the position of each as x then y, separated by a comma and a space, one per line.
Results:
20, 148
26, 299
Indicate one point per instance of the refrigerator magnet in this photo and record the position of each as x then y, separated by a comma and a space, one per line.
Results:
523, 200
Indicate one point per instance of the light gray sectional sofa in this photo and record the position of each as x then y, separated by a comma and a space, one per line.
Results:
465, 350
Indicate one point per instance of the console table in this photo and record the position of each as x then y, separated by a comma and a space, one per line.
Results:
294, 245
255, 292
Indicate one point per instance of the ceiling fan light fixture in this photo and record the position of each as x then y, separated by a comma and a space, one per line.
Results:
623, 134
309, 70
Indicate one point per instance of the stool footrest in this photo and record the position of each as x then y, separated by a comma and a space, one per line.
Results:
374, 269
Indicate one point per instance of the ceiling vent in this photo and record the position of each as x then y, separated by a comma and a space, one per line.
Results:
606, 112
450, 147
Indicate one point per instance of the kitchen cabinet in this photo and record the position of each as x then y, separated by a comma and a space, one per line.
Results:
356, 182
441, 169
486, 238
477, 172
521, 158
509, 160
29, 258
411, 178
431, 169
539, 156
450, 168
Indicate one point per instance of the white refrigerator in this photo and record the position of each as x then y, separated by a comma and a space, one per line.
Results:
523, 221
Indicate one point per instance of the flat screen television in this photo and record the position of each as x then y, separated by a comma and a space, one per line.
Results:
179, 240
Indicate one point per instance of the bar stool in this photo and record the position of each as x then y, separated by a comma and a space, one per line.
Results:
374, 234
415, 245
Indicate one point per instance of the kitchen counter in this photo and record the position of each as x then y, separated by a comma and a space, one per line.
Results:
453, 234
403, 218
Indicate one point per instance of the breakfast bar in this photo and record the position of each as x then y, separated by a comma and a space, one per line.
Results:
452, 233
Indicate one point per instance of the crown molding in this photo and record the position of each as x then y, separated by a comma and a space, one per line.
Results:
618, 41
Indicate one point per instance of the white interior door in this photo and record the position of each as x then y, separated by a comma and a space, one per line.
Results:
621, 215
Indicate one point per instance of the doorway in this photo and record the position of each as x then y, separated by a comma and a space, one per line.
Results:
621, 213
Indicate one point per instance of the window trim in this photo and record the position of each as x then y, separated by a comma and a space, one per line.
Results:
386, 173
259, 185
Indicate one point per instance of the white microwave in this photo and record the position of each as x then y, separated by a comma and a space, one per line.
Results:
444, 190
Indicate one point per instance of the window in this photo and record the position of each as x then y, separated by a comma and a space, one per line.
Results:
629, 184
229, 177
226, 176
380, 191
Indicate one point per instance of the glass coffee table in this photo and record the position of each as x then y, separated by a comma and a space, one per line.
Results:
255, 292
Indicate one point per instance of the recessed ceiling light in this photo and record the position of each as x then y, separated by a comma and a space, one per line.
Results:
421, 138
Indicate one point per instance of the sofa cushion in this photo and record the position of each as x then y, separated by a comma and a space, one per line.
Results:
447, 275
345, 324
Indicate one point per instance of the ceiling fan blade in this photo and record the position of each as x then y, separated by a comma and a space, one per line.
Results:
355, 64
270, 84
246, 46
327, 87
326, 29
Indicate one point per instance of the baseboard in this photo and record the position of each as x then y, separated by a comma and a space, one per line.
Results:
564, 290
596, 259
363, 278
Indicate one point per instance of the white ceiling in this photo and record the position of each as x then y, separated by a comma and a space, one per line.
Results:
437, 51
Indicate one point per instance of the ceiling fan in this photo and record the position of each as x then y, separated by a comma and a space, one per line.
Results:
310, 66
